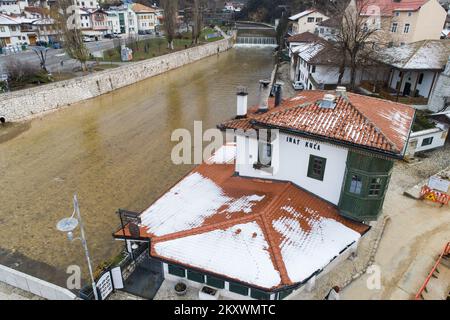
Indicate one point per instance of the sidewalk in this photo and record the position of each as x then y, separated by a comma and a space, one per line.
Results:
8, 292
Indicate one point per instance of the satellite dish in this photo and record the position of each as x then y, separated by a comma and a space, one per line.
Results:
67, 224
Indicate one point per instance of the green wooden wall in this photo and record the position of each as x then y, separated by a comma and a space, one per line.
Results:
364, 205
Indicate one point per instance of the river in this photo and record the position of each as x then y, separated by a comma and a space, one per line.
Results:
114, 152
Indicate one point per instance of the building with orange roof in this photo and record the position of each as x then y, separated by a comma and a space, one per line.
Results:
146, 18
268, 214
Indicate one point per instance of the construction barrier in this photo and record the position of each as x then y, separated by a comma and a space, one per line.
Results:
436, 196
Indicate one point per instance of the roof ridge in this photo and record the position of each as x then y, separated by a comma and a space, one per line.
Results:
274, 247
393, 145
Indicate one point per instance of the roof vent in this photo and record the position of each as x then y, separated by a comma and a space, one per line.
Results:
328, 101
341, 91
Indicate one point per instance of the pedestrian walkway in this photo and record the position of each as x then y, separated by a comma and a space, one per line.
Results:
8, 292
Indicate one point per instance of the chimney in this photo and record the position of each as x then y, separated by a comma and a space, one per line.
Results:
341, 91
241, 102
328, 101
264, 92
278, 93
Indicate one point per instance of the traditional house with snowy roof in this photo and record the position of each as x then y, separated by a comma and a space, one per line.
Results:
266, 216
416, 74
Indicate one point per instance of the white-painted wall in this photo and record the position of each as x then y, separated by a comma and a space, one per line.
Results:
291, 161
439, 134
411, 77
302, 24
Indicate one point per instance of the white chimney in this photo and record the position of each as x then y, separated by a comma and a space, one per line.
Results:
341, 91
328, 101
264, 93
242, 95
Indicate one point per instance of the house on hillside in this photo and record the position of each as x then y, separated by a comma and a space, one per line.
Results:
328, 29
269, 214
405, 21
306, 21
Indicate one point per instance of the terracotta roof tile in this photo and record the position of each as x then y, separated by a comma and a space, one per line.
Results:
359, 120
280, 202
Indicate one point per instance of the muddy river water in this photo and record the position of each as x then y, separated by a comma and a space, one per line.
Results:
114, 152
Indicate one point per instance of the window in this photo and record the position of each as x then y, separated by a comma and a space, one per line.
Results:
238, 288
260, 295
177, 271
264, 148
214, 282
356, 184
427, 141
195, 276
420, 78
316, 168
397, 14
318, 19
284, 294
313, 69
394, 27
409, 14
2, 29
375, 187
311, 19
406, 30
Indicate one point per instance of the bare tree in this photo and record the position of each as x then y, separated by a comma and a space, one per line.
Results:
358, 36
197, 16
170, 20
41, 52
67, 20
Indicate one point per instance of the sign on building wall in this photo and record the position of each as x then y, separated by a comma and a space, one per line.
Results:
438, 183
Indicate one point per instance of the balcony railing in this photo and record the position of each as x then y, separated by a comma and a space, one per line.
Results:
387, 93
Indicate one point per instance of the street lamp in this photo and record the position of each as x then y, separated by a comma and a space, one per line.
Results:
68, 225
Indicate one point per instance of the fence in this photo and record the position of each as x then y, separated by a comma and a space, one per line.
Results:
34, 285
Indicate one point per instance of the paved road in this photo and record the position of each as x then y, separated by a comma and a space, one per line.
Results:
55, 56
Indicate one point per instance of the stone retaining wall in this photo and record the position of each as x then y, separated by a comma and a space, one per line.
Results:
28, 103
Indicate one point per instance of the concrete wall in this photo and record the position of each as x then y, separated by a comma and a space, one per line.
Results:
29, 103
34, 285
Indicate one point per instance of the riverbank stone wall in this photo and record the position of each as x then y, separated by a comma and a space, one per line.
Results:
33, 102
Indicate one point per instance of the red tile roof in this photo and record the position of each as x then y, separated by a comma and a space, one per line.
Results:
361, 121
387, 7
304, 37
281, 202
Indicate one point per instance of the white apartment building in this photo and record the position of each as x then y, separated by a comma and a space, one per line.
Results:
306, 21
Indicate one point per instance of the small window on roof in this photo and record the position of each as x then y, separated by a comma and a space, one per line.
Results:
238, 288
177, 271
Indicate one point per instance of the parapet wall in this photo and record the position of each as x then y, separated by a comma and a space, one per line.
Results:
28, 103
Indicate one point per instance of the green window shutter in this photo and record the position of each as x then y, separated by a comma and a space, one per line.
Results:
195, 276
215, 282
258, 294
177, 271
316, 167
238, 288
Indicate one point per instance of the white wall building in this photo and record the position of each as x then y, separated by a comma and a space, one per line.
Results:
306, 21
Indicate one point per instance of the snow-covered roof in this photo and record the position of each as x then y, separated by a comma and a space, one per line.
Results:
297, 16
265, 234
421, 55
6, 20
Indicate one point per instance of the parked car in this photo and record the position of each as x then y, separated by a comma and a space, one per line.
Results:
298, 85
112, 35
56, 45
41, 43
88, 39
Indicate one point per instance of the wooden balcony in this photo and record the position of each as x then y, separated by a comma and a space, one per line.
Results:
387, 93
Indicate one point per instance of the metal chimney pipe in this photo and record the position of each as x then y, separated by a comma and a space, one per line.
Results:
278, 94
264, 93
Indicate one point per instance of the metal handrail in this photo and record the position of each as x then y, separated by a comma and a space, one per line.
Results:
445, 252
